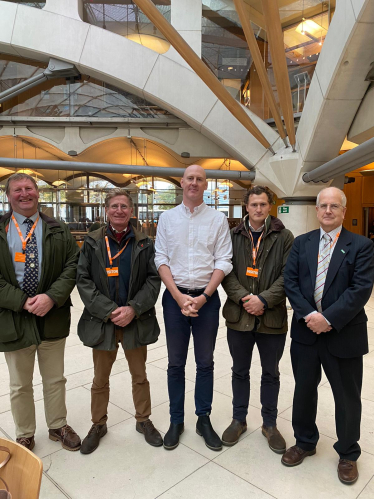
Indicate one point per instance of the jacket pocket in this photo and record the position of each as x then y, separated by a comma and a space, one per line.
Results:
91, 330
148, 328
56, 323
231, 311
276, 317
8, 327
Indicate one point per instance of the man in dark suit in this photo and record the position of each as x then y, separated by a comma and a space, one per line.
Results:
328, 280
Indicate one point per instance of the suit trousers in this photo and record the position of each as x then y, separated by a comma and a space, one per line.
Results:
345, 377
270, 347
103, 362
21, 370
178, 329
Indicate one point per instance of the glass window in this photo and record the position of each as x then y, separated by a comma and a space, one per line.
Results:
225, 50
87, 97
38, 4
126, 19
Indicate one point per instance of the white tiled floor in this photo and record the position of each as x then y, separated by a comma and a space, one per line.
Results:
124, 466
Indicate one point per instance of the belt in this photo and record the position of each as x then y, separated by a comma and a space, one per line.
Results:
191, 292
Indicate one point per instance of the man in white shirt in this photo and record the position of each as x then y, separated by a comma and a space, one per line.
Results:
193, 255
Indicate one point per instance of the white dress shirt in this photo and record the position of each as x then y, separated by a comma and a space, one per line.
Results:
193, 245
333, 235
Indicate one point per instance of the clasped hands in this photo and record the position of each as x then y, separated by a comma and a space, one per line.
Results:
253, 305
122, 316
39, 305
317, 323
190, 305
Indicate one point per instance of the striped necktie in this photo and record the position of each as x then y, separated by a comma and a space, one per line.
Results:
31, 275
323, 265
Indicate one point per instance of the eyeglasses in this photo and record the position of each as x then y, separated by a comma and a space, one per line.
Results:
333, 207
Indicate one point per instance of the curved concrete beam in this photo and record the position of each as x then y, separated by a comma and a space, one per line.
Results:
132, 67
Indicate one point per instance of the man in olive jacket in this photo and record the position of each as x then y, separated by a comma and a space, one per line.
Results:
37, 274
119, 285
255, 312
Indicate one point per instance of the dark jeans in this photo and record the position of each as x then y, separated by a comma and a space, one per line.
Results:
345, 377
270, 347
178, 331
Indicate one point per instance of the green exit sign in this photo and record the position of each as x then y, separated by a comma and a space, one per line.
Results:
283, 209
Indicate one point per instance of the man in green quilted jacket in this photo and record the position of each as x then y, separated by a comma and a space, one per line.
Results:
255, 312
37, 275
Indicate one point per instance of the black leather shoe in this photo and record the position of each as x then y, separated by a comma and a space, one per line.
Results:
91, 442
151, 435
204, 429
171, 439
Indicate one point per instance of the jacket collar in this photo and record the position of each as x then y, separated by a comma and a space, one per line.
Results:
272, 224
51, 222
98, 234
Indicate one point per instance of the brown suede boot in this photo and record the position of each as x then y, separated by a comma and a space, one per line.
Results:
276, 441
232, 433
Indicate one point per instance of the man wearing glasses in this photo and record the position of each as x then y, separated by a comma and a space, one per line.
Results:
328, 280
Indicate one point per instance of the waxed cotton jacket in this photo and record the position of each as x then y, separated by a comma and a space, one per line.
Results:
271, 260
19, 328
95, 329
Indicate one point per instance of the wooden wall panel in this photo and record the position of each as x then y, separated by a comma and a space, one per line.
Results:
354, 205
368, 191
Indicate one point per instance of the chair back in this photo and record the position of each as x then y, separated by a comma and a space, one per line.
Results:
22, 473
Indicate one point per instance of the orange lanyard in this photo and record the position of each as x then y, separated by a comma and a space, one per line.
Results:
118, 254
255, 249
333, 243
25, 241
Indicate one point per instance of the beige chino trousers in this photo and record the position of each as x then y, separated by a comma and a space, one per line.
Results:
51, 367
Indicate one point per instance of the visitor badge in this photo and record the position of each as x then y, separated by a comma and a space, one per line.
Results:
251, 272
20, 257
112, 272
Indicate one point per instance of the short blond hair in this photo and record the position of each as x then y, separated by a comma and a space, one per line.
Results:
19, 176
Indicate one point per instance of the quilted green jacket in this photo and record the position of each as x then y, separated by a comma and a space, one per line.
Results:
271, 260
18, 328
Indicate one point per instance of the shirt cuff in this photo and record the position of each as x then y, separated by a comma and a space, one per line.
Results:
329, 323
226, 267
161, 261
314, 312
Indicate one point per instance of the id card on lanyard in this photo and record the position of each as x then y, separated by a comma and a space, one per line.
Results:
21, 257
253, 271
113, 271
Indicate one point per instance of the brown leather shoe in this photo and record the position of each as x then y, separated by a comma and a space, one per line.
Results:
27, 442
232, 433
151, 435
347, 471
276, 442
294, 455
67, 436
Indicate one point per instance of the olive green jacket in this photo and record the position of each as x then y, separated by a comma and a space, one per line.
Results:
271, 260
18, 328
95, 329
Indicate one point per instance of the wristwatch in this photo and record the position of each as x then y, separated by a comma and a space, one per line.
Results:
207, 297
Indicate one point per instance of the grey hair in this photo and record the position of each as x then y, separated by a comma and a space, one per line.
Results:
19, 176
117, 192
343, 196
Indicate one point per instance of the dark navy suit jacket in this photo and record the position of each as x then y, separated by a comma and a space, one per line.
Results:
348, 287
